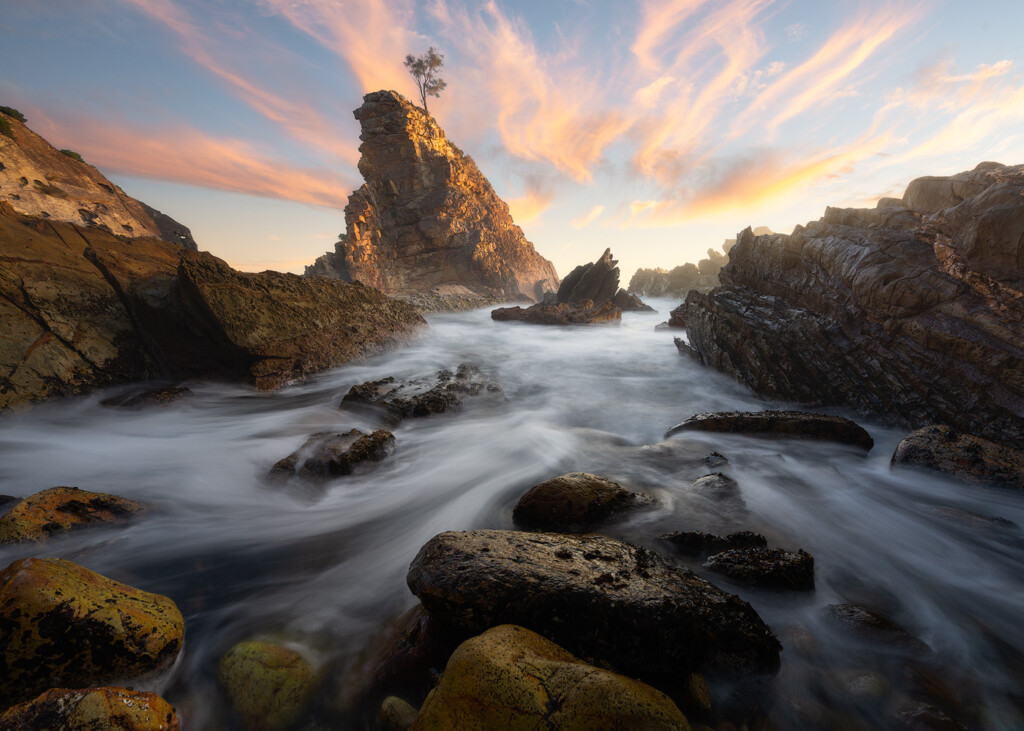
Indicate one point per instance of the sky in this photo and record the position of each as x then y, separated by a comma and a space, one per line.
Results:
656, 128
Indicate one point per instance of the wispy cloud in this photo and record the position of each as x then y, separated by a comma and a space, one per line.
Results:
587, 218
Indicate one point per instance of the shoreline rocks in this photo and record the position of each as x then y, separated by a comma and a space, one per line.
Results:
572, 503
963, 457
91, 709
57, 510
560, 313
270, 685
443, 392
768, 568
326, 454
779, 423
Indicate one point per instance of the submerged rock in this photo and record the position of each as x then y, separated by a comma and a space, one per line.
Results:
695, 543
396, 714
779, 423
869, 626
61, 509
444, 391
963, 457
326, 454
596, 596
64, 625
912, 313
92, 709
769, 568
270, 685
561, 313
572, 503
512, 678
160, 396
717, 487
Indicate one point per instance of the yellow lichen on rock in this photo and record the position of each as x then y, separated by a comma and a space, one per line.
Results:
270, 685
512, 678
60, 509
91, 709
64, 625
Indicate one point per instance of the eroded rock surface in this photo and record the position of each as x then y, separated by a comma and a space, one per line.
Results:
913, 313
695, 543
572, 503
326, 454
60, 509
437, 394
427, 216
769, 568
963, 457
596, 596
560, 313
779, 423
92, 709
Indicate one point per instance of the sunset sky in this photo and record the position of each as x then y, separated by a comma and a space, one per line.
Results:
655, 128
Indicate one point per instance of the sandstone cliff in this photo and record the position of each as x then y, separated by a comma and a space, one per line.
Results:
83, 309
912, 311
38, 180
426, 216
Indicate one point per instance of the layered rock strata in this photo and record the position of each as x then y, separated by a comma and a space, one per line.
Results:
37, 179
427, 216
913, 311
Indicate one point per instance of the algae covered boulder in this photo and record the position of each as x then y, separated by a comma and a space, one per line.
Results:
63, 625
60, 509
270, 685
92, 709
512, 678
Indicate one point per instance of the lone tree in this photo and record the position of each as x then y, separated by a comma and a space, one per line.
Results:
424, 69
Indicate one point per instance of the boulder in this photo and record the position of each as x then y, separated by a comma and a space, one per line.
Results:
914, 315
270, 685
580, 313
572, 503
695, 543
717, 487
149, 397
961, 456
630, 302
61, 509
779, 423
64, 625
396, 714
92, 709
426, 216
768, 568
326, 454
512, 678
869, 626
444, 391
596, 596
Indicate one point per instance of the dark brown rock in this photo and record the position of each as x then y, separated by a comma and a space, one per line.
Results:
581, 313
779, 423
599, 597
912, 314
437, 394
630, 302
677, 318
869, 626
597, 281
160, 396
572, 503
963, 457
769, 568
326, 454
695, 543
426, 216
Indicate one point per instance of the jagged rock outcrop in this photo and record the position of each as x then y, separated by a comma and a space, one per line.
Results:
84, 309
702, 276
427, 216
910, 312
39, 180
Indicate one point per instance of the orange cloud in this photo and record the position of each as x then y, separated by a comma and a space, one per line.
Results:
188, 156
588, 218
657, 22
529, 206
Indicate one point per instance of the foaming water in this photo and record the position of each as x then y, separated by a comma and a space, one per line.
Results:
243, 555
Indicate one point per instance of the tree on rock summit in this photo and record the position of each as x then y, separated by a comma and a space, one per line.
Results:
424, 70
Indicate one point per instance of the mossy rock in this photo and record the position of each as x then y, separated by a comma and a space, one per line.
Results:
62, 625
60, 509
92, 709
270, 685
512, 678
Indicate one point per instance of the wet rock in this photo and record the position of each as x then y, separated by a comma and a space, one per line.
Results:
909, 313
512, 678
696, 696
7, 499
869, 626
270, 685
715, 460
961, 456
64, 625
61, 509
860, 685
151, 397
924, 717
426, 216
677, 318
444, 391
695, 543
331, 455
769, 568
595, 281
92, 709
630, 302
572, 503
599, 597
779, 423
977, 521
561, 313
396, 714
717, 487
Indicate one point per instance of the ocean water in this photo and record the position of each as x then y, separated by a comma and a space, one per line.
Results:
325, 564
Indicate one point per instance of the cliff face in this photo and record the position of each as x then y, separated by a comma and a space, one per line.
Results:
36, 179
426, 216
912, 311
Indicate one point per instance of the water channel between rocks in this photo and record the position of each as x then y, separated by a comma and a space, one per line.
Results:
243, 555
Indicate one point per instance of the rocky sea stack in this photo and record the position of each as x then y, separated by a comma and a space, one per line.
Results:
912, 311
426, 216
